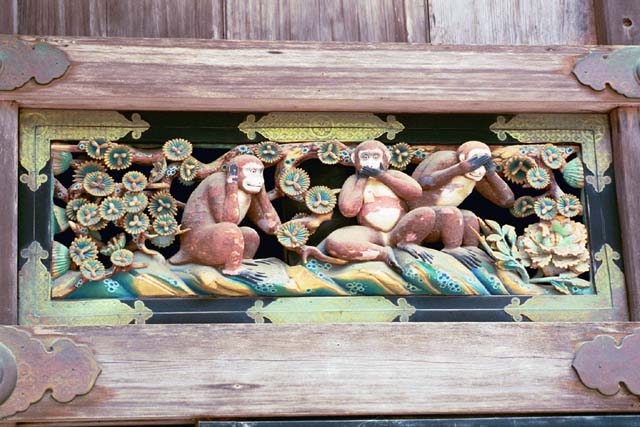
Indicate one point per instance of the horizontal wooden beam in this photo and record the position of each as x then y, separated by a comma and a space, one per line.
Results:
186, 372
179, 74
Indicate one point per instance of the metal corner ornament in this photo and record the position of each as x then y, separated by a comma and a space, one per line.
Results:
21, 61
620, 69
603, 365
30, 366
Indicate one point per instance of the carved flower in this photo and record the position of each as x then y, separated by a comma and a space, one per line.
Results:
112, 208
135, 202
292, 234
134, 181
545, 208
165, 225
88, 214
269, 152
552, 156
329, 152
162, 203
538, 178
121, 258
115, 243
569, 205
73, 206
85, 168
320, 200
189, 169
516, 168
98, 184
92, 270
177, 149
401, 155
82, 249
118, 157
557, 246
96, 147
523, 207
294, 181
163, 241
136, 223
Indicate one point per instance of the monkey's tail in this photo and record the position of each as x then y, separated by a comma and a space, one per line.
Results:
306, 251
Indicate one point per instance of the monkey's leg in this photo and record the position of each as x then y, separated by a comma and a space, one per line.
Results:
451, 226
251, 242
470, 223
412, 229
360, 243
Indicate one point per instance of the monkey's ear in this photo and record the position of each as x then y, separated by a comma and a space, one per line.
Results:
353, 157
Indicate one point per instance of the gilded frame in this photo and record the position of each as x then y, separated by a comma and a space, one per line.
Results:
39, 127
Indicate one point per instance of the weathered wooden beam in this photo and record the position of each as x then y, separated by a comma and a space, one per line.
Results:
9, 213
180, 372
625, 141
179, 74
617, 21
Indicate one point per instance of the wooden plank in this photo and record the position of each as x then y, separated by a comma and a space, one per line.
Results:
534, 22
8, 17
165, 18
183, 74
62, 17
326, 20
617, 21
9, 213
255, 370
625, 129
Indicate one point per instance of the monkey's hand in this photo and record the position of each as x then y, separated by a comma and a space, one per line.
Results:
474, 163
371, 172
232, 174
490, 166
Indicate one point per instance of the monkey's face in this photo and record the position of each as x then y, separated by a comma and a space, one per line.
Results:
250, 177
479, 173
370, 158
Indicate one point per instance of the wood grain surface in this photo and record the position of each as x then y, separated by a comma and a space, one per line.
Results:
515, 22
327, 20
178, 372
9, 213
617, 21
625, 135
183, 74
62, 17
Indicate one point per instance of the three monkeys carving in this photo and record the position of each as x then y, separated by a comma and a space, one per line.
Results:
393, 209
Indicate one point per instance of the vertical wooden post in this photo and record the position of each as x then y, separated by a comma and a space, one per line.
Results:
625, 128
8, 213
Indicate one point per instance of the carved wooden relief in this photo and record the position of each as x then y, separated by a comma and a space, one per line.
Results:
336, 218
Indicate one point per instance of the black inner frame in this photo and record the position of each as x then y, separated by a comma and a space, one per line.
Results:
221, 129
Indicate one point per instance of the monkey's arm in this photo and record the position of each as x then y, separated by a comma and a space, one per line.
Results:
402, 184
352, 195
496, 190
223, 200
262, 213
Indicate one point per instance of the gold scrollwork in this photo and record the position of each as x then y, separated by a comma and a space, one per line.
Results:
589, 130
39, 127
331, 310
298, 127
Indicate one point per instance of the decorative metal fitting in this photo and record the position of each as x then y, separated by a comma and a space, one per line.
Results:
619, 69
21, 61
602, 365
